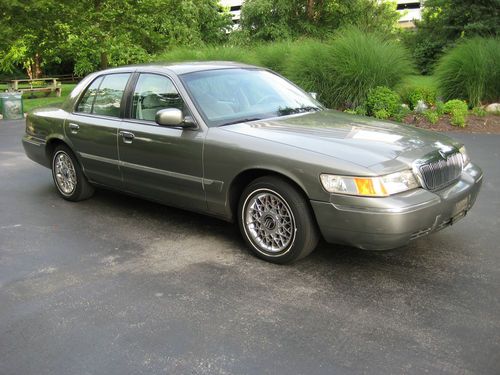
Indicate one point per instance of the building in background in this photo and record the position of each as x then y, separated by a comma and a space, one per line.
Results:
410, 10
234, 9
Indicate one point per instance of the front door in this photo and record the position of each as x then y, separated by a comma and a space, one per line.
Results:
161, 163
93, 128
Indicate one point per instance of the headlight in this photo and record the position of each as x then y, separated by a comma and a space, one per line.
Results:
382, 186
465, 156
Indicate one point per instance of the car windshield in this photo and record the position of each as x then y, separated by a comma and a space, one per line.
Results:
228, 96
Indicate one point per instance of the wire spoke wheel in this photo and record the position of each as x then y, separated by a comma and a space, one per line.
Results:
64, 172
269, 221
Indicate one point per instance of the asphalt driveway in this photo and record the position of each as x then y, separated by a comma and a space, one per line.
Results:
118, 285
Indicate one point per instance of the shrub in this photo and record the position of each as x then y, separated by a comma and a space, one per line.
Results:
360, 110
383, 103
479, 111
403, 111
382, 114
427, 94
415, 88
457, 109
471, 71
344, 70
431, 116
439, 108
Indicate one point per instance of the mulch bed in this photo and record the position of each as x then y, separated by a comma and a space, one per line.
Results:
489, 124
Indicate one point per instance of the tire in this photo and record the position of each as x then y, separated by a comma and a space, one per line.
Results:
276, 221
68, 176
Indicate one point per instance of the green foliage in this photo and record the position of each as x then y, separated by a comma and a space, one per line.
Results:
344, 70
382, 102
403, 111
31, 35
96, 34
360, 110
274, 55
415, 88
479, 111
440, 108
458, 110
267, 20
311, 68
471, 71
444, 22
427, 95
431, 116
210, 53
381, 114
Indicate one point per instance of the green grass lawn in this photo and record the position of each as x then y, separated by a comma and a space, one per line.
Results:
43, 101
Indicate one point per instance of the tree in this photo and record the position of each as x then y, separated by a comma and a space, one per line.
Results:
32, 34
96, 34
444, 22
283, 19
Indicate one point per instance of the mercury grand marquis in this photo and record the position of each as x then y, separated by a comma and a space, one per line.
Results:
244, 144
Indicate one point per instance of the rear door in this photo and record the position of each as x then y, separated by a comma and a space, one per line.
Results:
162, 163
93, 128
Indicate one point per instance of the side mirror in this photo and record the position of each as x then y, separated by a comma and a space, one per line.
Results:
314, 95
173, 117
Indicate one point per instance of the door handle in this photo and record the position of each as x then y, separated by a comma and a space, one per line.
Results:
127, 136
73, 128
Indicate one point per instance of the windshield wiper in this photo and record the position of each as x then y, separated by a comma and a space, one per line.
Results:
241, 120
291, 111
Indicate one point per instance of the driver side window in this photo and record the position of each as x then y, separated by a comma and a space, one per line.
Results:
152, 93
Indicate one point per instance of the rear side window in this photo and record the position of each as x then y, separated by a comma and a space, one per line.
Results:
85, 105
104, 95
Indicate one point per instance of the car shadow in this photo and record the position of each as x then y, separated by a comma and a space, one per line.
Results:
331, 255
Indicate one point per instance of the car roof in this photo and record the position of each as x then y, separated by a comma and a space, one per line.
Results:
182, 68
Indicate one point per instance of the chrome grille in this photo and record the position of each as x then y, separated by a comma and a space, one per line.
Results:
439, 173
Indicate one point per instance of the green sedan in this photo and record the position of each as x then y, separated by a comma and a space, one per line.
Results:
245, 145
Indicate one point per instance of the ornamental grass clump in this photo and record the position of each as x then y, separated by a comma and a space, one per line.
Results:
274, 55
209, 53
471, 71
362, 61
309, 67
345, 69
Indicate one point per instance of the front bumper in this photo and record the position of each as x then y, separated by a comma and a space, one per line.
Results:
387, 223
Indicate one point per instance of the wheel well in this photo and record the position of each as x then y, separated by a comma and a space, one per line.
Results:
51, 146
241, 181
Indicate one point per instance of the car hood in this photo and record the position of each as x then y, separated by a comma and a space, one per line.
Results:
360, 140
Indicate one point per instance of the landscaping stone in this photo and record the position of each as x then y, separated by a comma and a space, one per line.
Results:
493, 108
421, 107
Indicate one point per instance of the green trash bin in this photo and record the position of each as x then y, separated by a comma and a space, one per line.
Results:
11, 105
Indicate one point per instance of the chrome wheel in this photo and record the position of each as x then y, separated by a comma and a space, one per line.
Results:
64, 173
269, 221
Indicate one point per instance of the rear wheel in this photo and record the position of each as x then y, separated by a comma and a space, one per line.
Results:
276, 221
68, 176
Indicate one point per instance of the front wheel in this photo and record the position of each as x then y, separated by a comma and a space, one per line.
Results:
276, 221
68, 176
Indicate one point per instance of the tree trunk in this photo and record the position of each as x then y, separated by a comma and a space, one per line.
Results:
104, 60
29, 70
37, 66
310, 10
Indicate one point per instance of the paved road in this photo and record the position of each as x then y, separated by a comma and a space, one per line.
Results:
118, 285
